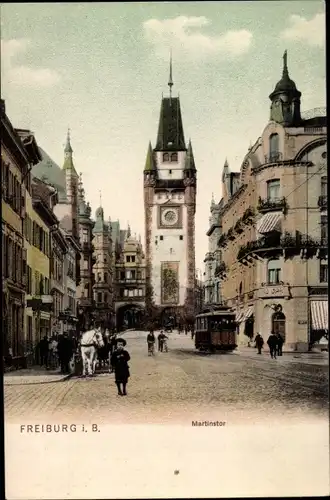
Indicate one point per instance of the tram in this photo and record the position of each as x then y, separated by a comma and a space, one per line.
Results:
216, 330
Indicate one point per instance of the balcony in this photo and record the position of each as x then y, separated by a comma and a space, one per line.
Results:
130, 281
275, 157
222, 241
272, 204
287, 245
138, 298
248, 216
209, 257
323, 202
221, 271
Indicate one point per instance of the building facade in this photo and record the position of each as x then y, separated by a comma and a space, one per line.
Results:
18, 154
273, 218
169, 205
130, 283
69, 317
212, 282
103, 270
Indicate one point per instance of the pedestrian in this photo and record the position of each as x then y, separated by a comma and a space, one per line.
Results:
272, 343
119, 361
164, 343
53, 352
259, 342
44, 351
280, 342
65, 352
151, 343
160, 339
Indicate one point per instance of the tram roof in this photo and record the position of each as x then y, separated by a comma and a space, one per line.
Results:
218, 312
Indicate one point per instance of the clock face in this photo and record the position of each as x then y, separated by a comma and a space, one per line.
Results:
170, 217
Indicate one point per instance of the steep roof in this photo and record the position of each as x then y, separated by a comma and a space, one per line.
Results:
48, 171
150, 164
170, 129
189, 163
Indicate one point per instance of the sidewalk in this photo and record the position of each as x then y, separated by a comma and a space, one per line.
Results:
35, 375
310, 358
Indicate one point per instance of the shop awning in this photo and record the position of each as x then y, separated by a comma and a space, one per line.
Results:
239, 315
319, 315
244, 315
270, 222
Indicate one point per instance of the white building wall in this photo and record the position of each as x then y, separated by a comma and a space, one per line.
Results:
170, 249
176, 167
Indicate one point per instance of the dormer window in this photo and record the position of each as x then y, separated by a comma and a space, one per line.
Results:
174, 157
166, 157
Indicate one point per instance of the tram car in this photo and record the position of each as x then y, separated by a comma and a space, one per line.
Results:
216, 330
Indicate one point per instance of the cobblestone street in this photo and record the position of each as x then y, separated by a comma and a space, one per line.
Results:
180, 386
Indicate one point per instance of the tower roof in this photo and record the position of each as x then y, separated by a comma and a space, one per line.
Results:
285, 84
170, 129
68, 148
189, 163
150, 164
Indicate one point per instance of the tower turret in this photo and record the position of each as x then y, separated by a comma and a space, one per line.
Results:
285, 107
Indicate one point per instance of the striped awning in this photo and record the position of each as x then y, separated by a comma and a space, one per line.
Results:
319, 314
239, 315
269, 222
244, 315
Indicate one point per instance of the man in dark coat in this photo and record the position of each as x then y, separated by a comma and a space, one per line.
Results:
151, 343
259, 342
119, 361
272, 343
44, 351
65, 352
280, 342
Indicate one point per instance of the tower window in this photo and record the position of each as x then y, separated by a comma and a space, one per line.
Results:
274, 146
174, 157
161, 237
170, 171
166, 157
181, 237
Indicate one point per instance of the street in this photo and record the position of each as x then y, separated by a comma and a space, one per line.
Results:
180, 386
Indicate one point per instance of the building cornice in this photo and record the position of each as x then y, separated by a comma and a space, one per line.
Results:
283, 163
44, 212
232, 200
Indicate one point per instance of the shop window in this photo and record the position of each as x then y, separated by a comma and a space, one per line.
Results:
278, 322
323, 272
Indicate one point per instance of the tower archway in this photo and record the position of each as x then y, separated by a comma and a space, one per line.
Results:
129, 316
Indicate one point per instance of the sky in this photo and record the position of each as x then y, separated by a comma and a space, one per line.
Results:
101, 69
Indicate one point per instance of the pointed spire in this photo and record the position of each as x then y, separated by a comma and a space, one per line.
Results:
226, 164
170, 80
100, 193
68, 148
81, 191
149, 160
189, 161
128, 230
285, 73
212, 200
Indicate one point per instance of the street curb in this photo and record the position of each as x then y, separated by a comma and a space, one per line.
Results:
62, 379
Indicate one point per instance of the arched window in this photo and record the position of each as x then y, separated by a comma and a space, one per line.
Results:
166, 157
278, 323
274, 147
174, 157
274, 272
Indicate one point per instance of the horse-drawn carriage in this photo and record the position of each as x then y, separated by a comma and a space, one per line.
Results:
94, 351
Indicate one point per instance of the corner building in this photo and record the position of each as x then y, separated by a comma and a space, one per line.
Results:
274, 235
170, 204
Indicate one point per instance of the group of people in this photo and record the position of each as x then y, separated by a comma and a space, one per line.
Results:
162, 342
275, 343
56, 351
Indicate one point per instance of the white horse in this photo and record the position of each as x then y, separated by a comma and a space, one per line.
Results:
89, 343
